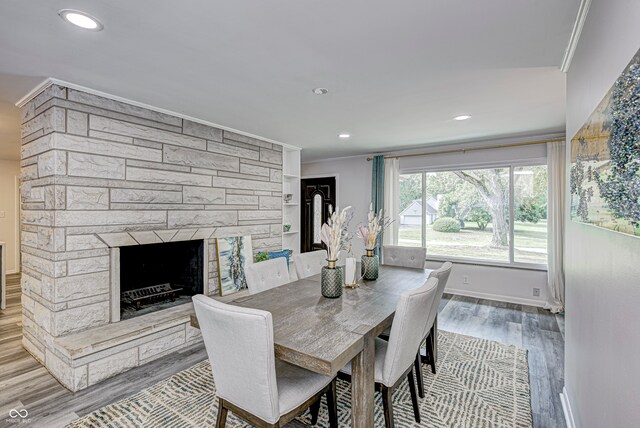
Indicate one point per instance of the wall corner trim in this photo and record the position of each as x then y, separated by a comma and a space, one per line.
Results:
583, 10
566, 408
38, 89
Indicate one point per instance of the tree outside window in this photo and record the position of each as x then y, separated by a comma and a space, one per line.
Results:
467, 213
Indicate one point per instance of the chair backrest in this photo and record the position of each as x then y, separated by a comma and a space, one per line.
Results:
268, 274
407, 330
239, 342
411, 257
442, 273
309, 264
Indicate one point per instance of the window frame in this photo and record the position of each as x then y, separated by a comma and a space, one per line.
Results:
511, 165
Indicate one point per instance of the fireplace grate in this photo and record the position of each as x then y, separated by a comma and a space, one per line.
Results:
152, 294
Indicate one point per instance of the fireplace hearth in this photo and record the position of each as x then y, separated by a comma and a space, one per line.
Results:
157, 276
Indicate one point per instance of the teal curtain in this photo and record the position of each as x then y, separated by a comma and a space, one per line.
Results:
377, 192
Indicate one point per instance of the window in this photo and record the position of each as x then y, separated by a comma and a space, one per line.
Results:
530, 225
317, 218
468, 214
410, 230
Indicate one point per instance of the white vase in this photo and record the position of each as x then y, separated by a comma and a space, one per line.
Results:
350, 271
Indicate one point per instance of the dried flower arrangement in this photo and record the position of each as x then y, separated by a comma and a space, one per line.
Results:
334, 232
370, 232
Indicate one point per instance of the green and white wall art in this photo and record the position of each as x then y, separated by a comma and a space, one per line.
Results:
605, 159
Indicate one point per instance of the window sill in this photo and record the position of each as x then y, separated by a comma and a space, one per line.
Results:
488, 263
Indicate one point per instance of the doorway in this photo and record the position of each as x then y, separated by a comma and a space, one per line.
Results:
317, 195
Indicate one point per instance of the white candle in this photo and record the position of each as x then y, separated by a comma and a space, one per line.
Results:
350, 271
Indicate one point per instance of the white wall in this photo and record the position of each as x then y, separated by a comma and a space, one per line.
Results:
602, 343
496, 283
9, 170
505, 284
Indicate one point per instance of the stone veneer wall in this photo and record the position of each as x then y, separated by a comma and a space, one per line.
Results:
99, 173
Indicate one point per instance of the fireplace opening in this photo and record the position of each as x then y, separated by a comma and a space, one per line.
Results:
158, 276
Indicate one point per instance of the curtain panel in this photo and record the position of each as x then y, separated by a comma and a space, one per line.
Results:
556, 169
392, 200
377, 192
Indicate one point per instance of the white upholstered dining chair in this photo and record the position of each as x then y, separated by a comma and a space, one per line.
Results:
431, 332
394, 359
268, 274
309, 264
249, 380
411, 257
442, 273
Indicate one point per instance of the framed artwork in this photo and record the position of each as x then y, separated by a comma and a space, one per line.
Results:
233, 254
605, 159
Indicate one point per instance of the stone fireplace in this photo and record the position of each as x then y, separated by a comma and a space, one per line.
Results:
108, 188
158, 276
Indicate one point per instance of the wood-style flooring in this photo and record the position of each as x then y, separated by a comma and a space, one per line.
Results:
25, 384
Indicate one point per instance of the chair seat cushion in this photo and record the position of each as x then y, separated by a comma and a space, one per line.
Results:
296, 385
381, 352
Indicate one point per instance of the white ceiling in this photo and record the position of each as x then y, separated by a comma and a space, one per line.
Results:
397, 71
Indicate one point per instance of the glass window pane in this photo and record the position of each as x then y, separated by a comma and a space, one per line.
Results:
317, 217
468, 214
410, 221
530, 225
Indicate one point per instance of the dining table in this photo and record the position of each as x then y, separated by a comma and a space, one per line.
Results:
324, 334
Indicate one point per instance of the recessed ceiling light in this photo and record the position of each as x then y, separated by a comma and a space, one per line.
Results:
81, 19
344, 135
462, 117
320, 91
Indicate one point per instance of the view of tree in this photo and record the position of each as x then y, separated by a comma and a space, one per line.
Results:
530, 194
482, 196
410, 189
468, 213
493, 187
481, 217
531, 209
455, 197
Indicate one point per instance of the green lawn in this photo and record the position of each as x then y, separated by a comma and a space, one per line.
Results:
471, 242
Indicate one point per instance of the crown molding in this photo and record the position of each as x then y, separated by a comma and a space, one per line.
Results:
583, 10
38, 89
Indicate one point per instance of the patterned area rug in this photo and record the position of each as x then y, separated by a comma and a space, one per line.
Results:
480, 383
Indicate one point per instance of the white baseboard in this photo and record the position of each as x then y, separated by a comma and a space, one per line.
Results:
497, 297
566, 409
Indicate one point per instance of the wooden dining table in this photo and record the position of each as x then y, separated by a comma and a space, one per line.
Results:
323, 335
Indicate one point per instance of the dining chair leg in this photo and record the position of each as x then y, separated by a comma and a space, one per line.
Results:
221, 420
332, 405
314, 409
430, 356
414, 397
418, 366
387, 405
425, 357
434, 337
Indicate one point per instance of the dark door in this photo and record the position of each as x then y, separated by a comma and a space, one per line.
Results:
317, 195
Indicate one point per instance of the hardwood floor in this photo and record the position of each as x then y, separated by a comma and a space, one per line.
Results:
25, 384
537, 330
